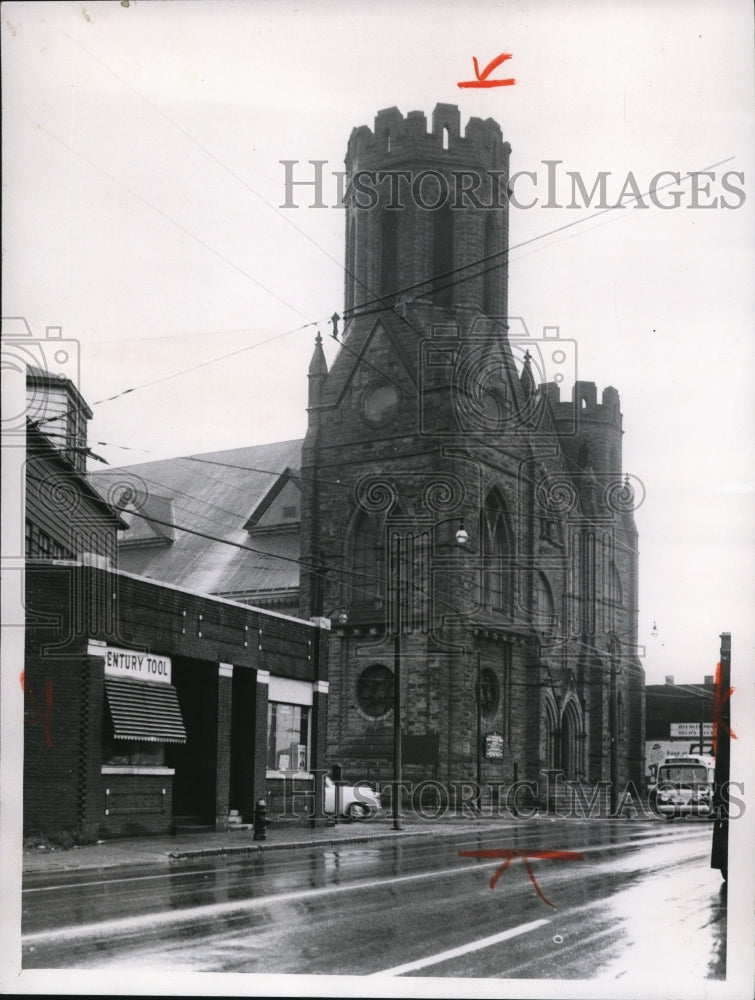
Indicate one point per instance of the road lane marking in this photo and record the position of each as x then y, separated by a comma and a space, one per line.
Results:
211, 910
138, 922
117, 881
444, 956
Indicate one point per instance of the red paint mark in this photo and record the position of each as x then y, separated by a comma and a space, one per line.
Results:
21, 678
482, 78
509, 853
39, 716
720, 697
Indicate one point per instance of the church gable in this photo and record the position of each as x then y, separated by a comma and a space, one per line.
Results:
380, 355
280, 508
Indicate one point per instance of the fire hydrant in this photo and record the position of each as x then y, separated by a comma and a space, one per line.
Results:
260, 820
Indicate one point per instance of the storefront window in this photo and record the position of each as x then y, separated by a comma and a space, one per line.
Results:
134, 754
130, 753
287, 737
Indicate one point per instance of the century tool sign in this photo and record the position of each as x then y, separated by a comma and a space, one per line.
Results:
133, 663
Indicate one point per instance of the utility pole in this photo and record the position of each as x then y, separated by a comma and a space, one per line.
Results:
396, 804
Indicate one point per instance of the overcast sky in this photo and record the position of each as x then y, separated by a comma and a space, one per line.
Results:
142, 149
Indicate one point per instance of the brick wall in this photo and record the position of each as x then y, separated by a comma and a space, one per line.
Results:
135, 804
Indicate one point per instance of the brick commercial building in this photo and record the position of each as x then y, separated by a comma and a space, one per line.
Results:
150, 708
517, 648
146, 706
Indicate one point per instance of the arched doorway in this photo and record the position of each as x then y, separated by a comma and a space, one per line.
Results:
571, 741
551, 735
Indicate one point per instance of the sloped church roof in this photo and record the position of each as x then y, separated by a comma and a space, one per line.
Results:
240, 513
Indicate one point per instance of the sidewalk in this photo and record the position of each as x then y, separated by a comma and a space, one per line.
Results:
281, 834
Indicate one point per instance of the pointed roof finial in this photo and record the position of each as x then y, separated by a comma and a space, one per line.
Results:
318, 365
526, 379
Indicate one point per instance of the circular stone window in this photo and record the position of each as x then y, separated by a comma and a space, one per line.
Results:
380, 403
489, 692
375, 691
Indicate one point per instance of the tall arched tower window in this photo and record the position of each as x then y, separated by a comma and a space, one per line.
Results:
493, 275
443, 256
545, 612
388, 252
351, 264
496, 547
368, 561
551, 728
615, 591
575, 583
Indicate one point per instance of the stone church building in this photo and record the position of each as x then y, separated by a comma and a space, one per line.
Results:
465, 514
458, 508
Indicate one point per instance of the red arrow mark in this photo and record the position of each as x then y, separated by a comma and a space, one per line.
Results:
720, 697
482, 78
509, 853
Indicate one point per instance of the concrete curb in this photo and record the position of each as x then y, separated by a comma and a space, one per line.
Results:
145, 852
299, 844
117, 854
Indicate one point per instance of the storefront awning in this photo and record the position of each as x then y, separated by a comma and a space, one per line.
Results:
144, 711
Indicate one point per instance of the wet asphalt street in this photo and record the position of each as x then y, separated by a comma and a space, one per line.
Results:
628, 898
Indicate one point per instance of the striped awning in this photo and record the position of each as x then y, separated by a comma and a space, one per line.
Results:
144, 711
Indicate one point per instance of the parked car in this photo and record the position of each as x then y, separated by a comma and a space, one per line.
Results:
358, 801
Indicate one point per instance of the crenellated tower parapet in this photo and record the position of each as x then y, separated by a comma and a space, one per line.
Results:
590, 431
426, 216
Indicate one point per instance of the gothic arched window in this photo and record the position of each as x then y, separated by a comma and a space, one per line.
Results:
545, 612
615, 591
368, 561
496, 548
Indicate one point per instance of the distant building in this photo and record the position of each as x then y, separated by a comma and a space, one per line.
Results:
678, 721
